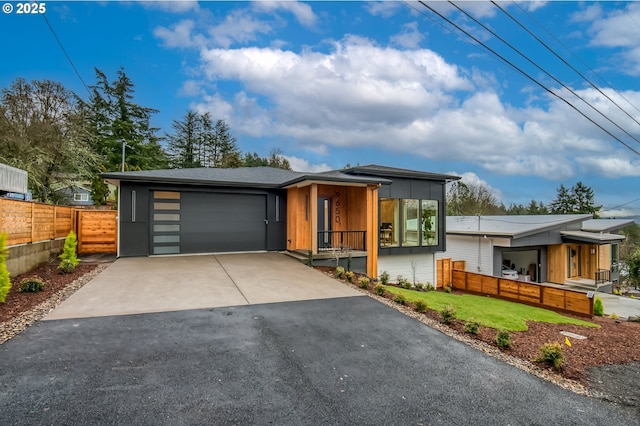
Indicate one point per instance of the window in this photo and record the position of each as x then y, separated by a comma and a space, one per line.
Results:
615, 258
389, 222
80, 197
410, 229
408, 222
429, 222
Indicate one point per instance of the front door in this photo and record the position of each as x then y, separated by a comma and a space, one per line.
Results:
573, 256
324, 222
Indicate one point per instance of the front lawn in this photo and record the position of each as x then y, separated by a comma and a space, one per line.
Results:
489, 312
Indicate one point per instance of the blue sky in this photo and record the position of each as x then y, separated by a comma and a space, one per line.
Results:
392, 83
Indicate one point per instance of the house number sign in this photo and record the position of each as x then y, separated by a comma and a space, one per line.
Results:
337, 210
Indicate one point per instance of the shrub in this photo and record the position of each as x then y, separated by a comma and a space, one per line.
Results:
614, 316
421, 306
379, 289
448, 314
400, 299
448, 289
471, 326
31, 285
598, 307
503, 339
407, 285
551, 353
340, 272
384, 278
349, 275
5, 280
310, 258
68, 259
429, 287
363, 282
418, 286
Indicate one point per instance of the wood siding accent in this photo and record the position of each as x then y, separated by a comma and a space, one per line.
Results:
444, 271
519, 291
97, 231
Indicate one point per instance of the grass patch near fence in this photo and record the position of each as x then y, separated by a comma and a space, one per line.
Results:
489, 312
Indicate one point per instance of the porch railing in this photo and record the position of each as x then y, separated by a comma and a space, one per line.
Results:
602, 276
341, 240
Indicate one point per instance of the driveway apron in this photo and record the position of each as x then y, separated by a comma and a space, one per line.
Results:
174, 283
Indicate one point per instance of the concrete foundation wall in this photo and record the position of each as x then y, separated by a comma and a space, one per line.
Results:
23, 258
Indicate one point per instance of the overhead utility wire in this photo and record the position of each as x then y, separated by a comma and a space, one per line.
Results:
526, 75
544, 71
576, 56
65, 53
563, 60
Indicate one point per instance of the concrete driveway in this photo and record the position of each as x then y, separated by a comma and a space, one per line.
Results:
325, 359
174, 283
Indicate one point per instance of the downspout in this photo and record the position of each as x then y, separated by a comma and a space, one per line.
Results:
479, 247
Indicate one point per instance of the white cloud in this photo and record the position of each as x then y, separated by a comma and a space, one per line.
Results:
385, 9
302, 11
410, 37
473, 179
174, 6
240, 26
302, 165
179, 35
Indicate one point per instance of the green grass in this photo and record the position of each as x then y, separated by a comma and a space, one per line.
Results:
489, 312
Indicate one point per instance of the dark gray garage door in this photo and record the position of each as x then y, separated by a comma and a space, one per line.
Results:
212, 222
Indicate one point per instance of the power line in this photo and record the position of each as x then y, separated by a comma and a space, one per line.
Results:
65, 53
544, 71
563, 60
526, 75
575, 56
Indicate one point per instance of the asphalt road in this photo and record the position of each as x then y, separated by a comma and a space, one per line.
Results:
334, 361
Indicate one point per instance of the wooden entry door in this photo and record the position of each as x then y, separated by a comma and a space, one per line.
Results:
574, 264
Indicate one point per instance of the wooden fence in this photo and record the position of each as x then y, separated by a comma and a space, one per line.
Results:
525, 292
28, 222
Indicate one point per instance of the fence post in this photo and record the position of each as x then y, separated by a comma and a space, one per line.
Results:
33, 221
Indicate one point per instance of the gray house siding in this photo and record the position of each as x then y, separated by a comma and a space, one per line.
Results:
211, 219
423, 190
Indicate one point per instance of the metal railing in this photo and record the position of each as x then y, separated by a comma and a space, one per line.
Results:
341, 240
603, 276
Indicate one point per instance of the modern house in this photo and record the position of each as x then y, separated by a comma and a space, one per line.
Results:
540, 248
382, 218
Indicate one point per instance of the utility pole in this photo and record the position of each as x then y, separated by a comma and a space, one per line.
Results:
124, 145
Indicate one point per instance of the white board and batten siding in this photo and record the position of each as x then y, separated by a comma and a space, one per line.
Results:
402, 265
477, 252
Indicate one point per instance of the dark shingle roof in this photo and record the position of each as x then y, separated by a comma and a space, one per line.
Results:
385, 171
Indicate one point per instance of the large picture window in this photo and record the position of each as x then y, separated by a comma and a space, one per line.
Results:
389, 222
429, 210
408, 222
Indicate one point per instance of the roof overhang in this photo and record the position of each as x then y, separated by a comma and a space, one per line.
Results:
303, 183
591, 237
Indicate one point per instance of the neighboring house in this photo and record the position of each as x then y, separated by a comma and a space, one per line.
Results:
13, 182
75, 195
383, 218
541, 248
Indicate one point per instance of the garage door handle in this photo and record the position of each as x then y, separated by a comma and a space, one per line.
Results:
266, 221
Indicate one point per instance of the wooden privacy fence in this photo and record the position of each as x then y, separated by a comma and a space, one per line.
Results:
525, 292
28, 222
444, 270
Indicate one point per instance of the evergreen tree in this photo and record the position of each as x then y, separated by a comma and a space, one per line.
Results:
5, 280
115, 119
579, 199
564, 202
184, 144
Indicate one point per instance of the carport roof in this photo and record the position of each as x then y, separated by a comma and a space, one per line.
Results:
263, 177
591, 237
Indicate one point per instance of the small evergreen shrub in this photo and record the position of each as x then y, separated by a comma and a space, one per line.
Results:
472, 326
310, 258
418, 286
363, 282
421, 307
407, 285
448, 314
69, 259
384, 278
448, 289
503, 339
400, 299
349, 276
552, 354
340, 272
31, 285
429, 287
614, 316
5, 280
598, 307
379, 289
